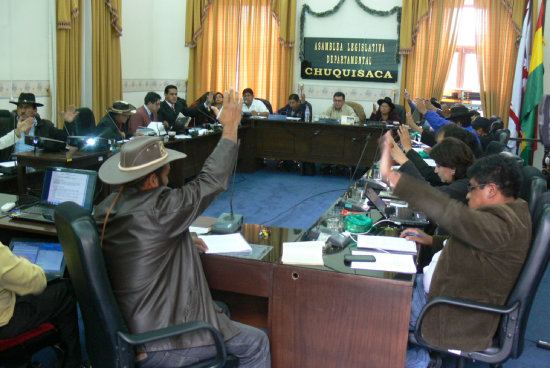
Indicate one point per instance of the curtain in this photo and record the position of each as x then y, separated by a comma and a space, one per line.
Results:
242, 43
69, 51
106, 64
413, 13
195, 13
426, 68
496, 50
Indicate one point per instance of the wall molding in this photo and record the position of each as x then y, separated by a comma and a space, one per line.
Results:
146, 85
40, 88
352, 93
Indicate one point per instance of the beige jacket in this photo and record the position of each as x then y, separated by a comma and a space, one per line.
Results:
17, 276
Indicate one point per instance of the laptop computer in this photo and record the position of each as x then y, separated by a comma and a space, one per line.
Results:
60, 185
405, 217
47, 255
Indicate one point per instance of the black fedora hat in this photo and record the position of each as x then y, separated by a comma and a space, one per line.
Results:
27, 98
122, 107
388, 101
460, 112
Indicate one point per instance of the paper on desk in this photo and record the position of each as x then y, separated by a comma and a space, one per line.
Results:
229, 243
199, 230
8, 163
403, 263
430, 161
183, 136
387, 243
303, 253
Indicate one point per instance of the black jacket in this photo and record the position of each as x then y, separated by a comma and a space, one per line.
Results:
166, 113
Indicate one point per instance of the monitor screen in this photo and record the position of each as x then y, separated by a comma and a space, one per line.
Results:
62, 185
49, 256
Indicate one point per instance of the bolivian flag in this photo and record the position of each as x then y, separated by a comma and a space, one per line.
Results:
533, 91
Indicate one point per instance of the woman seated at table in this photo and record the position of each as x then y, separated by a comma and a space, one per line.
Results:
452, 157
385, 111
14, 136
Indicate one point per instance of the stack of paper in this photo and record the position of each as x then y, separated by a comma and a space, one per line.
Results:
230, 243
387, 243
303, 253
403, 263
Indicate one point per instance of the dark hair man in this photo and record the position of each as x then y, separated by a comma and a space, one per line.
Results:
146, 113
252, 105
156, 272
339, 108
482, 258
173, 106
295, 108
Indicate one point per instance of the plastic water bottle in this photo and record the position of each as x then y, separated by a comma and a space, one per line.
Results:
307, 115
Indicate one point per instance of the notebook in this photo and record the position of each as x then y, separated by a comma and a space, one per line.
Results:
60, 185
406, 216
49, 256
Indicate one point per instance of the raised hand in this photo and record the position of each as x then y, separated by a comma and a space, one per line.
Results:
405, 138
230, 115
70, 114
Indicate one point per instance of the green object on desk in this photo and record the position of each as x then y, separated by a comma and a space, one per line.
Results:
357, 223
423, 154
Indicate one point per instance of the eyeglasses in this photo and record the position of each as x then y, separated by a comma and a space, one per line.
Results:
472, 187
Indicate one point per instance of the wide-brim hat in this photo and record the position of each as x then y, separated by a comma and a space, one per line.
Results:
386, 100
137, 158
26, 98
122, 107
460, 112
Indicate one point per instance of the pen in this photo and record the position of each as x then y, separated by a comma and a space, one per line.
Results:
414, 234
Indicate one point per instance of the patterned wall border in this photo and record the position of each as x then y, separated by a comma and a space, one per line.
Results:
352, 93
41, 88
146, 85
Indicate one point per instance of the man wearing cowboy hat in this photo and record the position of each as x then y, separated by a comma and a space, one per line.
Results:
114, 125
27, 112
460, 115
153, 264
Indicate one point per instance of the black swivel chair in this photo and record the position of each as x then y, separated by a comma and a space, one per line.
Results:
267, 104
509, 339
400, 110
108, 341
503, 136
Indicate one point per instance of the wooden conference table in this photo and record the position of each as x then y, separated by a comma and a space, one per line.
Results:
329, 316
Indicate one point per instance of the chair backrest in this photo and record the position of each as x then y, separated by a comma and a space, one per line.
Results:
400, 110
531, 274
359, 110
531, 184
84, 122
79, 239
503, 136
266, 103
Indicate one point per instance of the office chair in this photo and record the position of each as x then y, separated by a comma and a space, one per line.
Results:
108, 342
18, 351
503, 136
359, 111
400, 110
509, 339
266, 103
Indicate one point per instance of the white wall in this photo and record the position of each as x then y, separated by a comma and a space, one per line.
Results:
153, 48
349, 22
25, 48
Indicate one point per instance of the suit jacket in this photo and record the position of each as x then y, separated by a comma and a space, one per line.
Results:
154, 267
481, 262
140, 119
166, 113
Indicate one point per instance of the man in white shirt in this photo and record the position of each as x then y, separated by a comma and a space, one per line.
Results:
253, 106
339, 108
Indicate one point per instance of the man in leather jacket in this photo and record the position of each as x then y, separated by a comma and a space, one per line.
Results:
153, 264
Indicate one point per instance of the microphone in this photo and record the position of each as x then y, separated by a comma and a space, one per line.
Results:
207, 115
367, 140
229, 223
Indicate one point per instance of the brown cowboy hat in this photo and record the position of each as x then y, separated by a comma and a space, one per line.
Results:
122, 107
137, 158
26, 98
386, 100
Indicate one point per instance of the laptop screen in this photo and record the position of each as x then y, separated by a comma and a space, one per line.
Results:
49, 256
376, 200
64, 184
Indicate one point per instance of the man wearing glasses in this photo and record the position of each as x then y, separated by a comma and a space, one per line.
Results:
488, 242
339, 108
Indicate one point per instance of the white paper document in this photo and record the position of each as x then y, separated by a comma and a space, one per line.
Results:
391, 262
387, 243
430, 162
229, 243
308, 253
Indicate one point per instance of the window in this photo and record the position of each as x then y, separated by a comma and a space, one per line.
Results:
463, 75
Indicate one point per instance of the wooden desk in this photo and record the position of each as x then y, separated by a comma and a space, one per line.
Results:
329, 316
